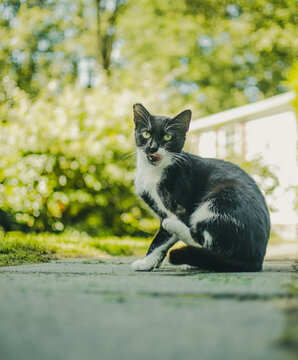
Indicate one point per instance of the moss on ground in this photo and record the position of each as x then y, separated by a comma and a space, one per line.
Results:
15, 252
18, 248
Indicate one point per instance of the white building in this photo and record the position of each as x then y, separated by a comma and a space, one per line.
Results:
266, 129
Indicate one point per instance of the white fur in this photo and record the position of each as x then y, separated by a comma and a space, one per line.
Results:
207, 239
149, 176
148, 263
155, 258
178, 228
147, 180
201, 214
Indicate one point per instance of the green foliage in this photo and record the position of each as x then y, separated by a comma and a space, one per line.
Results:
217, 55
60, 162
214, 55
292, 81
70, 72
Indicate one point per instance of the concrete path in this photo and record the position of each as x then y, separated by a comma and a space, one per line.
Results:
89, 309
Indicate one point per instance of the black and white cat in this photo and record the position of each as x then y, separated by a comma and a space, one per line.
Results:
211, 205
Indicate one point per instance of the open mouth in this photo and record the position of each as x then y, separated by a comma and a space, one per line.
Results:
154, 158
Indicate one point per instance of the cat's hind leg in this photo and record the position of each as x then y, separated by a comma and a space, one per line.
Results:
207, 260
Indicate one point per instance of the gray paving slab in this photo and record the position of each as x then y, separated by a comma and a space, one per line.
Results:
81, 309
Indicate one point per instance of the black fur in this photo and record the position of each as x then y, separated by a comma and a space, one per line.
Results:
239, 234
205, 259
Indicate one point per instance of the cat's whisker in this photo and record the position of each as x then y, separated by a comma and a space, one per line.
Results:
182, 162
129, 162
127, 157
181, 159
179, 162
185, 158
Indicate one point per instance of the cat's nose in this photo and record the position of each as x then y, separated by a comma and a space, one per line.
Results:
153, 149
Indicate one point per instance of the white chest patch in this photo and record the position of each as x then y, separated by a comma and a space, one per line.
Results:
148, 178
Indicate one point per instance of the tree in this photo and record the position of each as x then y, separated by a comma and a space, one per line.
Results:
210, 54
65, 40
217, 55
106, 32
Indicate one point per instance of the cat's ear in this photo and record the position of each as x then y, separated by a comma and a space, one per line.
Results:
140, 113
183, 118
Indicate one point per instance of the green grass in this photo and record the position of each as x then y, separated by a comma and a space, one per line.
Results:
18, 248
16, 252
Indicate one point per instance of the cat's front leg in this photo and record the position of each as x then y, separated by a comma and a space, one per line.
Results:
178, 228
157, 251
149, 263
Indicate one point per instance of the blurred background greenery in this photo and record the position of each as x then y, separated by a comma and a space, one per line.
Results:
70, 71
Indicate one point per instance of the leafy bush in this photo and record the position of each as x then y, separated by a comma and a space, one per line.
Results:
60, 161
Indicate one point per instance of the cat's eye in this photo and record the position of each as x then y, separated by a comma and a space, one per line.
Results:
167, 137
146, 134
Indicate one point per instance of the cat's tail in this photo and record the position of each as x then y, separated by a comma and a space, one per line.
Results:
205, 259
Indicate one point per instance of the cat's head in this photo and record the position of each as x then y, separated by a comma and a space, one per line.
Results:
160, 138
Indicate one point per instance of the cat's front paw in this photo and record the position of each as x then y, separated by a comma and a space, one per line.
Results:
143, 265
172, 226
